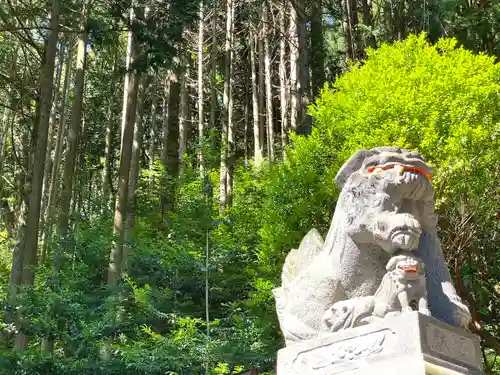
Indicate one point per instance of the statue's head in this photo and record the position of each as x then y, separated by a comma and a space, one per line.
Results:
387, 196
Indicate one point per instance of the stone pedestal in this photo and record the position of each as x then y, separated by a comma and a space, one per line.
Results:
408, 344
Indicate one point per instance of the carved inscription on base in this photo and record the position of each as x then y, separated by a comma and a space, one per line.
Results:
449, 344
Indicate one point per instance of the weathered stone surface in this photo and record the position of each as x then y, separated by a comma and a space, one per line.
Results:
386, 205
410, 343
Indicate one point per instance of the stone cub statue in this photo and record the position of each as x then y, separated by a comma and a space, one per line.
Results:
402, 287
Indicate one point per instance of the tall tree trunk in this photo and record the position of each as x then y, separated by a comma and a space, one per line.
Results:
108, 153
54, 176
152, 130
231, 144
184, 113
317, 48
72, 140
348, 31
226, 116
116, 259
29, 257
283, 81
294, 59
172, 145
164, 126
246, 127
268, 83
52, 130
303, 71
261, 86
368, 22
201, 124
352, 21
213, 73
135, 163
47, 342
258, 146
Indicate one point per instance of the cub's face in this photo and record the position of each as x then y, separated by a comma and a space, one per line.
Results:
408, 268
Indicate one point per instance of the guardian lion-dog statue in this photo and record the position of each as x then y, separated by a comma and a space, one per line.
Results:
385, 206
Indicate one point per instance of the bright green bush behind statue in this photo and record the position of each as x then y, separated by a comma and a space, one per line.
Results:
441, 100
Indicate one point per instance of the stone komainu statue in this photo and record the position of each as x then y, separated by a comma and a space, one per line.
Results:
385, 206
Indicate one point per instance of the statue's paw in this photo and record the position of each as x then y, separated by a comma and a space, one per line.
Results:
406, 309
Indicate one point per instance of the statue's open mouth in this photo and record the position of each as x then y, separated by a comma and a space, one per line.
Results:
400, 168
408, 268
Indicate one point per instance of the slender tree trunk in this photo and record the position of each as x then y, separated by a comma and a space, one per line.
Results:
152, 131
294, 58
231, 144
246, 127
29, 259
303, 71
201, 124
184, 113
135, 163
368, 21
352, 19
268, 83
47, 342
317, 48
72, 140
261, 86
54, 176
166, 96
348, 32
172, 145
226, 117
258, 149
80, 190
213, 73
52, 131
106, 171
283, 81
116, 259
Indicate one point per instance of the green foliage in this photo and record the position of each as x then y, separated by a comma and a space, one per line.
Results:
439, 99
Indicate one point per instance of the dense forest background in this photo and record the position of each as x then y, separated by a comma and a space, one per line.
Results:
159, 158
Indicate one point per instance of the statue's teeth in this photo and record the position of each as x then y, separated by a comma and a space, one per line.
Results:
377, 170
399, 169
